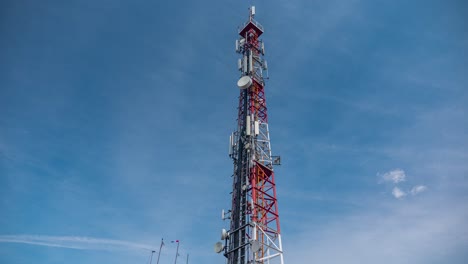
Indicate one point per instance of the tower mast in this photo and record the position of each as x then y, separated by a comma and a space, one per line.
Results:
254, 235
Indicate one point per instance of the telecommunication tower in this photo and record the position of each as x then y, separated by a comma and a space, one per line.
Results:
254, 235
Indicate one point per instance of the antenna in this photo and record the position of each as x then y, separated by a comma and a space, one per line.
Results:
224, 234
244, 82
218, 247
255, 245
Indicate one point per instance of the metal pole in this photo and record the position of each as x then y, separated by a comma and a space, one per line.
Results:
160, 247
151, 259
177, 253
187, 259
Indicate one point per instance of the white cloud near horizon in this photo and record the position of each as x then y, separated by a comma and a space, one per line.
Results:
394, 176
398, 193
415, 232
75, 242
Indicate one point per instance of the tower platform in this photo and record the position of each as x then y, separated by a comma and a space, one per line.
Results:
251, 24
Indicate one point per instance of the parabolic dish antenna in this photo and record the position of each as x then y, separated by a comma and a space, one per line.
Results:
218, 247
224, 234
244, 82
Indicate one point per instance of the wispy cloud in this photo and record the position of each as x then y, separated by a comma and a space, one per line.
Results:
418, 189
398, 193
394, 176
75, 242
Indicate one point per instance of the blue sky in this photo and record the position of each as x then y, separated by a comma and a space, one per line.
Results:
115, 118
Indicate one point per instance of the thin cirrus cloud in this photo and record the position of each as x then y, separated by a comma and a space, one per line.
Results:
74, 242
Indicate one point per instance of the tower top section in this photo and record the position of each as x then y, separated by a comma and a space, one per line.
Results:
251, 24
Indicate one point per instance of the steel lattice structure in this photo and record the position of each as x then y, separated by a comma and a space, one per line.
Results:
254, 235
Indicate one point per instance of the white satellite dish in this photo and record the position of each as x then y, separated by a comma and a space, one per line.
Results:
224, 234
255, 245
218, 247
244, 82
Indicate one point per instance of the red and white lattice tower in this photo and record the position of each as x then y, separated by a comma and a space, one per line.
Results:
254, 235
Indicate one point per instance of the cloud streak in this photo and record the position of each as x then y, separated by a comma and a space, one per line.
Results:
75, 242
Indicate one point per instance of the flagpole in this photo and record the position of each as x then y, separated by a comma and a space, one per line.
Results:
160, 247
177, 252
